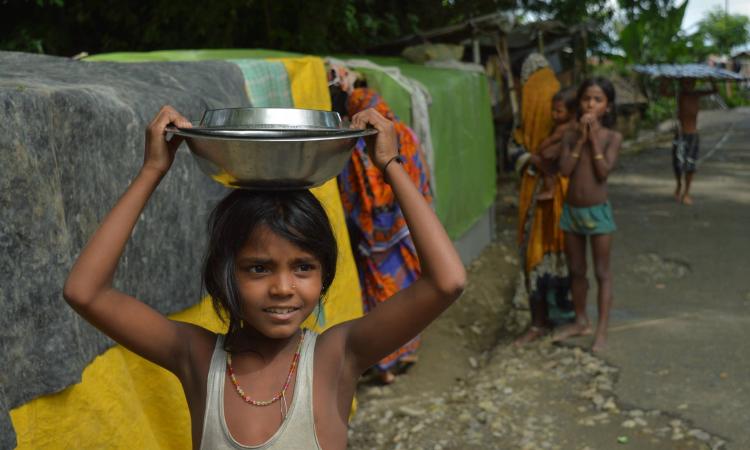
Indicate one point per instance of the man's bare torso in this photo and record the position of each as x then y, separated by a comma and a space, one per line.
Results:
688, 112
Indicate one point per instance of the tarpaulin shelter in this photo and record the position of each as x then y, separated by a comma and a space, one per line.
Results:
463, 138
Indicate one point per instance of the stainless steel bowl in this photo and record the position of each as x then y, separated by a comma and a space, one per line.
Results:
271, 148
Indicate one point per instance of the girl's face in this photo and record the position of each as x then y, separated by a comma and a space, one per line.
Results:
560, 113
279, 283
594, 101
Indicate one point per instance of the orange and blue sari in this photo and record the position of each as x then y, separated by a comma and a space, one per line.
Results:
383, 250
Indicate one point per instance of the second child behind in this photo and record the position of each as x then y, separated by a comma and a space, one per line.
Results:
589, 154
564, 107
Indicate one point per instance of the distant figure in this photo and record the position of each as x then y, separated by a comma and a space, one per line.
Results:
589, 154
685, 147
564, 116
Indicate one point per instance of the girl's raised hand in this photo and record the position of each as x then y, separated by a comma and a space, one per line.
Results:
594, 126
385, 146
583, 131
591, 124
159, 152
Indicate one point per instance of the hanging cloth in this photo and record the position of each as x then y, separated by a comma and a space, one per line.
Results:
420, 106
266, 83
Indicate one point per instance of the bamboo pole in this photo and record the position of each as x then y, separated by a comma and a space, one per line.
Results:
501, 46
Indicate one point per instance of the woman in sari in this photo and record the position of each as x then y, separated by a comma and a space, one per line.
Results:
545, 282
383, 249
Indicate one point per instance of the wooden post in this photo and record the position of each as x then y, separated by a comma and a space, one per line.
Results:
585, 42
540, 40
501, 46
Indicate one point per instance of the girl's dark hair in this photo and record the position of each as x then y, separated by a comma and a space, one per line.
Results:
568, 98
294, 215
609, 91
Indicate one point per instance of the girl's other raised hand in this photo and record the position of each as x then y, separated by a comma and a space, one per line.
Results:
159, 152
385, 145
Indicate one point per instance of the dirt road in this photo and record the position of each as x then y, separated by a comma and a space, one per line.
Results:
676, 373
682, 315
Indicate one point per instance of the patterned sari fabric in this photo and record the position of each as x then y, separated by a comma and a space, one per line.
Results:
385, 255
539, 235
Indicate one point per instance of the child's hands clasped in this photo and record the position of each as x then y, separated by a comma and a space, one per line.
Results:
588, 127
159, 153
385, 146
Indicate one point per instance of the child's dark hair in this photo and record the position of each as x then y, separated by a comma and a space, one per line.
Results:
609, 118
568, 98
294, 215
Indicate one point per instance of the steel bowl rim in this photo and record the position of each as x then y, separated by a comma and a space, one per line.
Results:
257, 115
268, 108
185, 132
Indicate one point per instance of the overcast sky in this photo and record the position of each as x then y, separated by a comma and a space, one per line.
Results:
696, 9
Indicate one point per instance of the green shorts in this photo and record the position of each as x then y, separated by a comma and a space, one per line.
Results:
590, 220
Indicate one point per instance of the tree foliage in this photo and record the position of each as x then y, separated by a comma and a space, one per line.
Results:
652, 32
723, 31
571, 12
596, 14
67, 27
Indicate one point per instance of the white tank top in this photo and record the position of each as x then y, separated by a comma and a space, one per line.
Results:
297, 431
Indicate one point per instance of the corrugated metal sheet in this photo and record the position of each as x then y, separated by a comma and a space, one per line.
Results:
686, 71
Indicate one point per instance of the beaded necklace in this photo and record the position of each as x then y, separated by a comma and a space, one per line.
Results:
280, 395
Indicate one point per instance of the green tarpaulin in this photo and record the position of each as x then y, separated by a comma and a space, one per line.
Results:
460, 120
462, 133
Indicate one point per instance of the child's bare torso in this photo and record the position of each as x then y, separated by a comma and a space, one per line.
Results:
585, 188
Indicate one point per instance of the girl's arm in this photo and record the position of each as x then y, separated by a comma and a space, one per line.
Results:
604, 157
570, 153
408, 312
88, 288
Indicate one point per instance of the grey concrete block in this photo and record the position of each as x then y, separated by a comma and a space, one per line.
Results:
71, 139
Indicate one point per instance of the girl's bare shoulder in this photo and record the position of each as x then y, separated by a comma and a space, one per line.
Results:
333, 340
613, 136
609, 136
201, 342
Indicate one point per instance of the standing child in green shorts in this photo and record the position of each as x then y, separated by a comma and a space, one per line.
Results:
588, 155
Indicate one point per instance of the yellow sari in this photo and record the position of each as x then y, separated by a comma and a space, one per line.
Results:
540, 238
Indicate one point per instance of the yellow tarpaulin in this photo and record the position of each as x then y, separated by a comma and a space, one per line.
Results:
124, 401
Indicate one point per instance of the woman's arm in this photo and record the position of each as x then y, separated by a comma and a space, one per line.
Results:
88, 288
408, 312
604, 157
